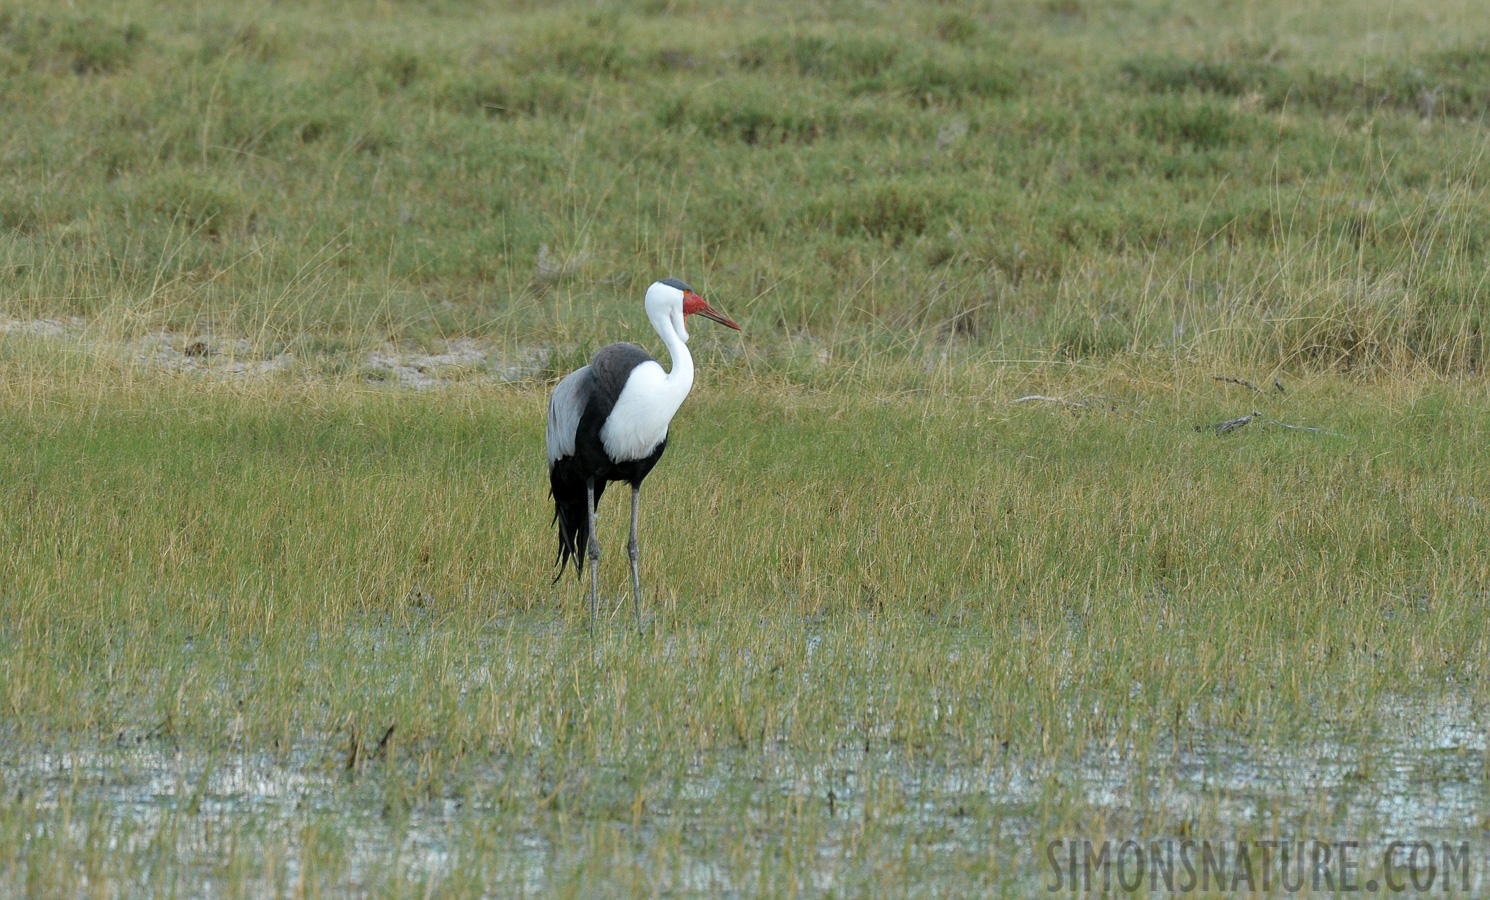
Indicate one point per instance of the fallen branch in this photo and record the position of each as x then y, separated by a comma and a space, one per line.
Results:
1230, 380
1312, 428
1031, 397
1231, 425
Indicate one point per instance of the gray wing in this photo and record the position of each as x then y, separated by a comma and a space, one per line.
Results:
564, 410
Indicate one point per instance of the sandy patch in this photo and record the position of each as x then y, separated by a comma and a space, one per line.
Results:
461, 359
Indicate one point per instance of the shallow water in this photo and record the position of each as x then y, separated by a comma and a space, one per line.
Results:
260, 821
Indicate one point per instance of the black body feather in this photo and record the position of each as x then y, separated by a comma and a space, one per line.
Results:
568, 475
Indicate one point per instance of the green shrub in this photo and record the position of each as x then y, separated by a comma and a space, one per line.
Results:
891, 211
1097, 337
1166, 74
506, 94
202, 203
935, 78
1199, 124
839, 57
84, 46
1454, 81
956, 27
750, 116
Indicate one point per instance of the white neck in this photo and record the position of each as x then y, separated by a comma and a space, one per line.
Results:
680, 379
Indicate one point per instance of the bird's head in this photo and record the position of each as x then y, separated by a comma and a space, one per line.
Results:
674, 300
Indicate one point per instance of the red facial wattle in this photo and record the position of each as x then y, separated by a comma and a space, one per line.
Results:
693, 303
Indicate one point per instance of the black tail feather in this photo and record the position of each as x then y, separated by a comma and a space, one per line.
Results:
574, 536
571, 514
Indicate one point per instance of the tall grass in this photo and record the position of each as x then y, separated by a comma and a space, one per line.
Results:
243, 511
1012, 180
923, 590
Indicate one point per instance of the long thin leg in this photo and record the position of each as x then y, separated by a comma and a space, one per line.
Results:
594, 549
634, 550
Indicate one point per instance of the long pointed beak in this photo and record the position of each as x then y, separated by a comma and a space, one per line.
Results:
709, 312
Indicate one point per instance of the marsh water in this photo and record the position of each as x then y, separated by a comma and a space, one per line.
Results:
734, 823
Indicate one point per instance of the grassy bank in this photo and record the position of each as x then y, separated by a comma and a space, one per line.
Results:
1258, 182
341, 496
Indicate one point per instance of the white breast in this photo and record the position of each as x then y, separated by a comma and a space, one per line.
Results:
638, 422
